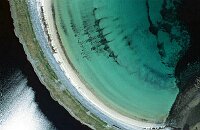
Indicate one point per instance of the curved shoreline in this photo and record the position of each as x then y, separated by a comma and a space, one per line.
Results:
34, 11
78, 84
22, 24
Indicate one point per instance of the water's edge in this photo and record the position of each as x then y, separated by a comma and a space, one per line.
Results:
22, 24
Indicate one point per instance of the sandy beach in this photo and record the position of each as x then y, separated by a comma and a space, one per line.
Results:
75, 80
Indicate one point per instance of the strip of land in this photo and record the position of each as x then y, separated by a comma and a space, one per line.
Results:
24, 31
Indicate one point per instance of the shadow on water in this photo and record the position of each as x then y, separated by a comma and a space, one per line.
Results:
12, 57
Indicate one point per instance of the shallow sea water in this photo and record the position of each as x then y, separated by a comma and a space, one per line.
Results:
126, 51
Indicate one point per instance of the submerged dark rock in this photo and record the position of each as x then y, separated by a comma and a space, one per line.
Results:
184, 110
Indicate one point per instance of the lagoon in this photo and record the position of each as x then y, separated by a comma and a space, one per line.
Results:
124, 52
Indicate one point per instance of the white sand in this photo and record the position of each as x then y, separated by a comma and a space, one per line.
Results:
78, 84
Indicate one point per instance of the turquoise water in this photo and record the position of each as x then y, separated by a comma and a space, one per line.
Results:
126, 51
